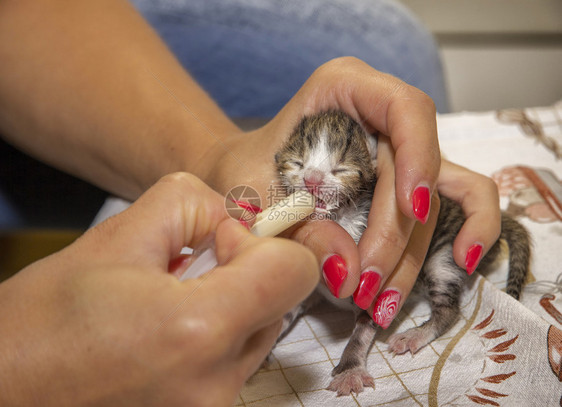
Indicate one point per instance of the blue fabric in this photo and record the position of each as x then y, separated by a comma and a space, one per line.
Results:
253, 55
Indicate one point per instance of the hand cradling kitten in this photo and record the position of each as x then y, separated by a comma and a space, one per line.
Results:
331, 155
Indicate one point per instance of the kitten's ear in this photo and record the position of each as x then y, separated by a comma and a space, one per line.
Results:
277, 158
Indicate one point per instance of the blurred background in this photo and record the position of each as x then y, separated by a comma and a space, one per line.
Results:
497, 53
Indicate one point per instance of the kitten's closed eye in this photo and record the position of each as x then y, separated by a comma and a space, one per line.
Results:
340, 170
297, 163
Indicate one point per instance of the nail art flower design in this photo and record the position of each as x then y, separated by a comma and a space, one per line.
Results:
386, 308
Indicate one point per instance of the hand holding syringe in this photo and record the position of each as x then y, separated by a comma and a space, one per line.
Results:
269, 223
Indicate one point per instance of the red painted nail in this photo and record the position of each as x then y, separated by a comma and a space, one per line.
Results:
473, 256
420, 203
368, 287
386, 308
177, 264
335, 272
248, 206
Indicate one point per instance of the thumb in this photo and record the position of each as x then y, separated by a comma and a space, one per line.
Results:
178, 211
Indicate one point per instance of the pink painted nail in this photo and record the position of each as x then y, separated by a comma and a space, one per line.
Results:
368, 287
335, 272
420, 203
473, 256
386, 308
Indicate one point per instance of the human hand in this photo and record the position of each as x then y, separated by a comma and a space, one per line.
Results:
408, 161
103, 322
479, 199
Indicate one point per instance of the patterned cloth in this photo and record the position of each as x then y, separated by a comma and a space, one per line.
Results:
500, 352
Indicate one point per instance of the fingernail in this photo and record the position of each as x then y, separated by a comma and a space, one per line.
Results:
335, 272
247, 206
473, 256
420, 203
178, 263
386, 308
368, 287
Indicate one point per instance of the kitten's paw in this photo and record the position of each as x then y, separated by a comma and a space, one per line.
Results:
412, 340
352, 380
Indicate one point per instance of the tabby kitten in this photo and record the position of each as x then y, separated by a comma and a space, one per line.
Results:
332, 156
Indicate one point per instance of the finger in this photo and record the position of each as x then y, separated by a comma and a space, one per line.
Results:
261, 279
414, 138
388, 231
407, 116
399, 285
178, 211
478, 195
335, 251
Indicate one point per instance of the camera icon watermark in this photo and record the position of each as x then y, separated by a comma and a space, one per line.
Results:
244, 203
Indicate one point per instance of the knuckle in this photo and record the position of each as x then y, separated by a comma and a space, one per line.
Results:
421, 98
490, 186
180, 178
200, 332
392, 239
483, 190
345, 61
412, 263
181, 184
338, 65
426, 100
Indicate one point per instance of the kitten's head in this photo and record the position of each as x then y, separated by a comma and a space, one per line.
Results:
330, 155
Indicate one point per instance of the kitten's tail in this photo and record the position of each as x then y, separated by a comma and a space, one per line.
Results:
519, 243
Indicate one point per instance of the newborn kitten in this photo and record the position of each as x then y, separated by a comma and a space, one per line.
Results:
332, 156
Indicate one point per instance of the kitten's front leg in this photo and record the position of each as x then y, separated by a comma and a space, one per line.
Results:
351, 374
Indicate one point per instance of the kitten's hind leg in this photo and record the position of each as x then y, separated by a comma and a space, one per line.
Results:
351, 374
443, 280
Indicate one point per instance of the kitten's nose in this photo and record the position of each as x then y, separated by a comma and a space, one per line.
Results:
313, 179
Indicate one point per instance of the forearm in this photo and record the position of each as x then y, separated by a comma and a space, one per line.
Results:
90, 88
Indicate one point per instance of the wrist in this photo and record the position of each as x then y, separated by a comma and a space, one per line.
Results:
190, 142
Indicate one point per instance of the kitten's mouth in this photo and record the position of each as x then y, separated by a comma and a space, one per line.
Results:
324, 206
320, 204
325, 199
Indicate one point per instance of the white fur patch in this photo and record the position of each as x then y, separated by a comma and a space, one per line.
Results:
320, 157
